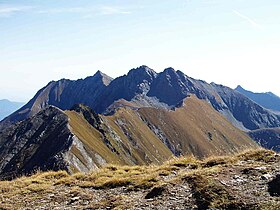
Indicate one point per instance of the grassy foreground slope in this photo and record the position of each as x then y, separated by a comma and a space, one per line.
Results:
249, 180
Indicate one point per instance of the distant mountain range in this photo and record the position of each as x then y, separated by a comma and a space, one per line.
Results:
8, 107
139, 118
267, 100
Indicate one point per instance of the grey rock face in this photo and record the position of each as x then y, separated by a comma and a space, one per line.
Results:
136, 82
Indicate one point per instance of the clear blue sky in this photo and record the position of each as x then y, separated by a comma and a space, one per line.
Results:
229, 42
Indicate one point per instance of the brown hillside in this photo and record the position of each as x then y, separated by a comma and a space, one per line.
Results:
150, 135
125, 140
196, 128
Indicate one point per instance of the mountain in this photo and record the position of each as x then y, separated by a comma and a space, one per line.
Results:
268, 138
7, 107
267, 100
63, 94
140, 118
143, 87
81, 140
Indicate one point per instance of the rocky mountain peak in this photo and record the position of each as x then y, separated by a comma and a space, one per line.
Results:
173, 76
142, 73
104, 77
239, 87
88, 114
169, 70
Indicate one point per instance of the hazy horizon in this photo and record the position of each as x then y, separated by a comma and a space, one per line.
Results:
229, 42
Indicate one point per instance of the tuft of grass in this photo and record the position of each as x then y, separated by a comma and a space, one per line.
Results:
112, 183
184, 162
38, 187
51, 175
214, 161
68, 181
257, 155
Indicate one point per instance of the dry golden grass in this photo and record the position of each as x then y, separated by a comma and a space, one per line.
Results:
257, 155
137, 177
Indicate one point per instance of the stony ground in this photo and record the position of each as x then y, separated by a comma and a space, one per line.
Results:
248, 181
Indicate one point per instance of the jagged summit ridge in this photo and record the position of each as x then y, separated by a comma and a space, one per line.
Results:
143, 87
143, 71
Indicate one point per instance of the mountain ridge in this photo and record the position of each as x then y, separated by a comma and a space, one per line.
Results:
143, 87
267, 99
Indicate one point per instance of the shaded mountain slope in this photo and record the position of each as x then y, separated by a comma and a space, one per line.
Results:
36, 143
80, 140
268, 138
143, 87
252, 115
8, 107
267, 100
